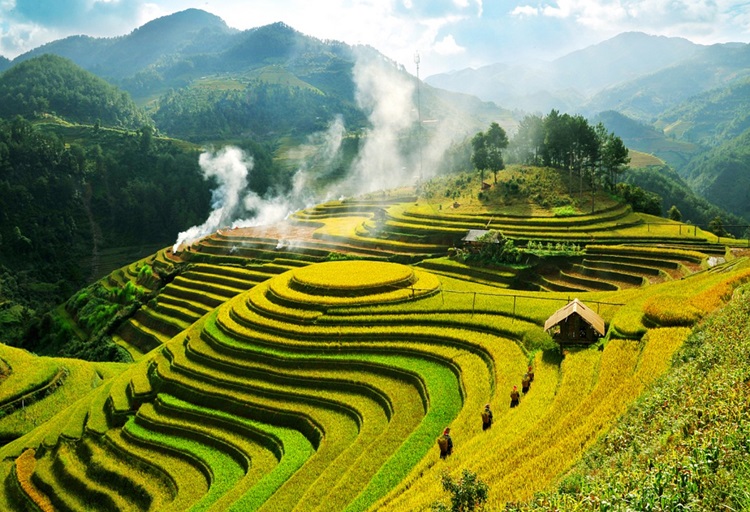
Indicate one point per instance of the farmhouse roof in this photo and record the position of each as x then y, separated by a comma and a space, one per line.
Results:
579, 307
474, 234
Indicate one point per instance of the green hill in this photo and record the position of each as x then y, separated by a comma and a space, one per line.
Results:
52, 85
721, 175
649, 139
186, 33
667, 183
710, 118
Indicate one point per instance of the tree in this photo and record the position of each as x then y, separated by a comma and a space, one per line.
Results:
716, 226
488, 150
674, 214
528, 143
468, 493
496, 141
479, 154
615, 157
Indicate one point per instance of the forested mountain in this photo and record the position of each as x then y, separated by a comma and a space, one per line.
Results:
624, 57
50, 84
162, 42
649, 139
4, 63
722, 175
650, 95
203, 81
70, 193
711, 118
705, 139
664, 181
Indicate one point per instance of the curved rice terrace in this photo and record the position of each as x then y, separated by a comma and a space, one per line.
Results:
311, 365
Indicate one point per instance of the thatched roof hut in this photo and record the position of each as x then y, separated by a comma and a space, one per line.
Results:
575, 323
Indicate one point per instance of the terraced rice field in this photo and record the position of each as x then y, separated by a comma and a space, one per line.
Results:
271, 374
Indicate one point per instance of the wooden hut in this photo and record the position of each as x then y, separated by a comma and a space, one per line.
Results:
475, 238
575, 323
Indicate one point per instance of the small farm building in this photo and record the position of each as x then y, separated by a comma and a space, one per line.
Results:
475, 237
575, 323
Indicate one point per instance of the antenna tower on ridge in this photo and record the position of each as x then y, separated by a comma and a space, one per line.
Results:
419, 116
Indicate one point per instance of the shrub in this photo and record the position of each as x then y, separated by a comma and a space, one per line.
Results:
467, 493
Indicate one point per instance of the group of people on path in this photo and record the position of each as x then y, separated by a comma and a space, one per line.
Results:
515, 396
445, 441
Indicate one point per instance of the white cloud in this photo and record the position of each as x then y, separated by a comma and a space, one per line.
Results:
525, 10
448, 46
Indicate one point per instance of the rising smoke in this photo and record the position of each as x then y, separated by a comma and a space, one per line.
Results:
387, 94
234, 205
230, 167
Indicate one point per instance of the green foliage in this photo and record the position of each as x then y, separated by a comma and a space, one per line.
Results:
716, 226
490, 248
56, 179
468, 493
674, 214
537, 339
597, 157
565, 211
712, 118
49, 84
541, 248
641, 200
265, 110
488, 150
665, 182
98, 312
722, 175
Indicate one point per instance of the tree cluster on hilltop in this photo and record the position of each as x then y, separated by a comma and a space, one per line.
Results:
569, 142
561, 141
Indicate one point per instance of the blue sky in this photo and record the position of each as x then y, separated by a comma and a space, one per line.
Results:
448, 34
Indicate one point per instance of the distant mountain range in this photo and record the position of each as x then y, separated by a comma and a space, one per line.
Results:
200, 80
634, 73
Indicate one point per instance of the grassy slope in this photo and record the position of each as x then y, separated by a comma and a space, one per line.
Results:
684, 444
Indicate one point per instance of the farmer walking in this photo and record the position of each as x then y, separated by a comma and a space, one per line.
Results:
526, 383
486, 417
445, 443
514, 396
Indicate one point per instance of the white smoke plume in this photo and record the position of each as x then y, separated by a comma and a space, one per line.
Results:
236, 206
389, 155
388, 95
230, 167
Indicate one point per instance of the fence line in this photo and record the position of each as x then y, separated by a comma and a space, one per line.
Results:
515, 296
